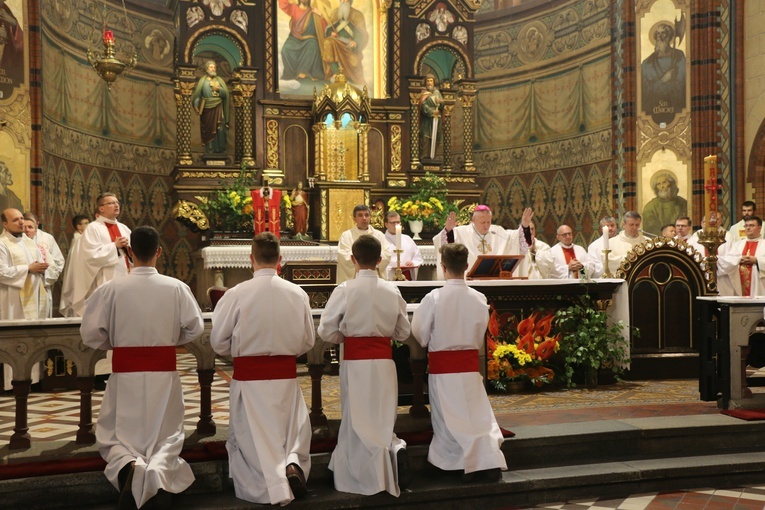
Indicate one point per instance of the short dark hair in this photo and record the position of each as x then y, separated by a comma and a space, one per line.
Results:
102, 196
668, 225
78, 219
144, 241
30, 216
390, 214
454, 256
751, 204
360, 207
632, 215
265, 248
366, 250
753, 218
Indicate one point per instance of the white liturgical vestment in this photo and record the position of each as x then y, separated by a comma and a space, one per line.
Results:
728, 275
268, 421
345, 268
620, 245
364, 460
411, 253
554, 260
55, 259
22, 294
497, 241
141, 416
465, 432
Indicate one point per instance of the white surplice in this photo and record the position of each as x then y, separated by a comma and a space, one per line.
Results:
728, 277
13, 278
498, 241
269, 426
554, 260
67, 284
465, 432
94, 260
620, 245
529, 267
55, 259
410, 253
345, 268
141, 416
364, 460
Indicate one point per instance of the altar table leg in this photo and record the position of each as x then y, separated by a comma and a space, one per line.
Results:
317, 416
21, 440
205, 425
85, 433
418, 409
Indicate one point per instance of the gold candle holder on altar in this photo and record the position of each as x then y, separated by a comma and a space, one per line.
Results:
399, 276
712, 236
607, 271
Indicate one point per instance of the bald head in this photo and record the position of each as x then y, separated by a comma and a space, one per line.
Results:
13, 221
565, 235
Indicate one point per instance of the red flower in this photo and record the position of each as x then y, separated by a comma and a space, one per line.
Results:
527, 343
493, 323
546, 348
526, 326
543, 327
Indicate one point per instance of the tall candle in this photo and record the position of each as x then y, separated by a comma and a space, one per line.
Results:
398, 236
605, 237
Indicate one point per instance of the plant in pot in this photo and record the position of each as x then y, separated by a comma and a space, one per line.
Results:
589, 343
427, 207
229, 209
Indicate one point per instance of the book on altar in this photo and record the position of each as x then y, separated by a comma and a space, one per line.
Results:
494, 267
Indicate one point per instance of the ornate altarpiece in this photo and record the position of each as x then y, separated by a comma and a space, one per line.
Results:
278, 133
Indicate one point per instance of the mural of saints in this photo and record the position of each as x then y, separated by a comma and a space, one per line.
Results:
664, 73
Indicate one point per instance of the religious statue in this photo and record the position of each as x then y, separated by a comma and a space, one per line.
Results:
431, 104
345, 39
378, 214
211, 101
299, 200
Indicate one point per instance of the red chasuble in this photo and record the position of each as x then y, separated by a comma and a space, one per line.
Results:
745, 272
114, 233
259, 210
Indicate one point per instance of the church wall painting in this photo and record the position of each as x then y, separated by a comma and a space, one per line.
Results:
665, 186
13, 63
350, 35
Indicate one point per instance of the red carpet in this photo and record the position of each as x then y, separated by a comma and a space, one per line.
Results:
214, 450
746, 414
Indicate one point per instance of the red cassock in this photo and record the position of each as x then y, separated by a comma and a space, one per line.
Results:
259, 210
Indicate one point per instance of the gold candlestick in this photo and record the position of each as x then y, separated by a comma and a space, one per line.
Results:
607, 272
399, 277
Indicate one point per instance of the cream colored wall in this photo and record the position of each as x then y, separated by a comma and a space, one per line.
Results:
754, 76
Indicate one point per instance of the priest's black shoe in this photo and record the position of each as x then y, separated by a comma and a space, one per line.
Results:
404, 471
125, 481
296, 480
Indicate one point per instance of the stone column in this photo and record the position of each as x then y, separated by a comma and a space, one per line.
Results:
416, 85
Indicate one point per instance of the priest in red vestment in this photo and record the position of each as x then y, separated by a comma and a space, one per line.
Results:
742, 266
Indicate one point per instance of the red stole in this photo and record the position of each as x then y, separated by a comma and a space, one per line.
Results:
274, 209
114, 233
745, 272
569, 254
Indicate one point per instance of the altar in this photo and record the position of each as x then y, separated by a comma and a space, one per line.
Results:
225, 266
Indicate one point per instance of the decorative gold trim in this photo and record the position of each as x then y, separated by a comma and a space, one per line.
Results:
397, 184
270, 31
272, 143
195, 174
395, 148
190, 212
192, 42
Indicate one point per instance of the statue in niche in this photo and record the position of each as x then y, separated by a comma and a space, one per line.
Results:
211, 102
431, 105
663, 73
299, 200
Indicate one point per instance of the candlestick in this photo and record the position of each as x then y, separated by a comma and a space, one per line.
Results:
605, 237
398, 237
607, 272
399, 276
108, 36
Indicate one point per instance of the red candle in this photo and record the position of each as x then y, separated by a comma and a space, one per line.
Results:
108, 37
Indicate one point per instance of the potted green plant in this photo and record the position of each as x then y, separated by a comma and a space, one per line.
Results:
229, 209
589, 343
427, 207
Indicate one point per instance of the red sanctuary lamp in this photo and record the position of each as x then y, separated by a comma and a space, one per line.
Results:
108, 66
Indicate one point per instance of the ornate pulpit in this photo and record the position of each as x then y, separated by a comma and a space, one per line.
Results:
340, 114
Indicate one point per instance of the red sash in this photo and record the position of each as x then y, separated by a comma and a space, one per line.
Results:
453, 362
264, 368
367, 347
114, 233
569, 254
143, 359
745, 272
259, 211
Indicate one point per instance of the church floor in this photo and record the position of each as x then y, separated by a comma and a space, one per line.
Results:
53, 419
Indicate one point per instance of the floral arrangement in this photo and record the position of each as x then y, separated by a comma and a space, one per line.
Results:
230, 208
428, 203
521, 353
